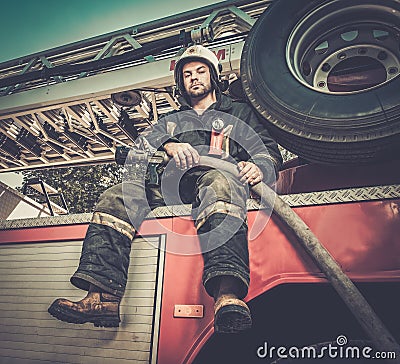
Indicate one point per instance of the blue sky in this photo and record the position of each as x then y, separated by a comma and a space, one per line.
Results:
30, 26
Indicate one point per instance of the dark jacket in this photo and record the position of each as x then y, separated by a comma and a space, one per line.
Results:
246, 137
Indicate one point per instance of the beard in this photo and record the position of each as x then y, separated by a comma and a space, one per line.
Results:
201, 90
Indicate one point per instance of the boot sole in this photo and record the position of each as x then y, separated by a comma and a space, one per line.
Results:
232, 319
70, 316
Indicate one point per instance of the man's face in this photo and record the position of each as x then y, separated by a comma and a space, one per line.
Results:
196, 79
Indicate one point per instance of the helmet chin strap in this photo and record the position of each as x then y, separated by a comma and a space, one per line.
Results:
223, 85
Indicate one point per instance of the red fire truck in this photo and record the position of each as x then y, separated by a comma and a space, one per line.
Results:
324, 74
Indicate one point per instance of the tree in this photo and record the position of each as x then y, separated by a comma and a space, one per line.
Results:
81, 186
286, 155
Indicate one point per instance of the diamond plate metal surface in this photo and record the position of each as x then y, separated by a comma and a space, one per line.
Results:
294, 200
46, 221
343, 195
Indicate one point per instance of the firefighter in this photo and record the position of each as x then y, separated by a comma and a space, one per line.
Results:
218, 200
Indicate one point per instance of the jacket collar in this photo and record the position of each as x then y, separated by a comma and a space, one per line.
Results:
224, 102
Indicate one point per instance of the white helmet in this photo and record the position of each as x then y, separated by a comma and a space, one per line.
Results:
197, 53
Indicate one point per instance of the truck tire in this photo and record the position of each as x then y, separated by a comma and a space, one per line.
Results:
324, 74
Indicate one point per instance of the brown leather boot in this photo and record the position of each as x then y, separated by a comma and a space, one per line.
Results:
102, 309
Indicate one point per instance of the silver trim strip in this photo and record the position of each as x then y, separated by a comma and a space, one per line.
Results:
345, 195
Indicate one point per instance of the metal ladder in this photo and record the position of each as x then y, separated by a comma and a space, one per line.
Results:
47, 191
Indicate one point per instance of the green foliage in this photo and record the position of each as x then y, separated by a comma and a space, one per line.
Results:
286, 155
81, 186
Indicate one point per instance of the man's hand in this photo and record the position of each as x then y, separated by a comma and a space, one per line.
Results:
184, 154
249, 173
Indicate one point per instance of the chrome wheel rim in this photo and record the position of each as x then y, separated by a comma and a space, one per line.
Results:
342, 48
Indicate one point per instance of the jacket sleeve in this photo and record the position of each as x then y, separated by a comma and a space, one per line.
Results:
160, 134
264, 154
